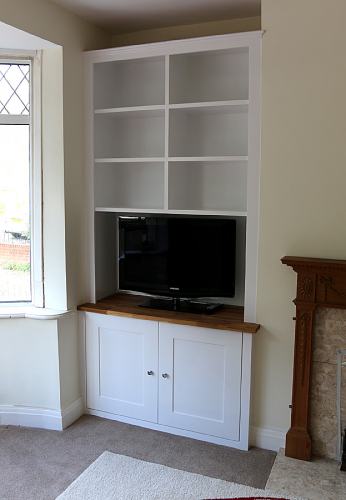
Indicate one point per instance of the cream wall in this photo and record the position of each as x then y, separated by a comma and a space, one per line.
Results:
188, 31
46, 20
303, 179
29, 364
39, 359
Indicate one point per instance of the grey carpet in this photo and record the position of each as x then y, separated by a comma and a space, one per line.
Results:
38, 465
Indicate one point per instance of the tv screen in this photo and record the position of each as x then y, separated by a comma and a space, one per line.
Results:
177, 256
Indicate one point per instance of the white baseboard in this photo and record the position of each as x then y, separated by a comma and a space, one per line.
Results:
268, 439
41, 418
30, 417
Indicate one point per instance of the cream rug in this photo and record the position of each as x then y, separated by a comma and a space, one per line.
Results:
119, 477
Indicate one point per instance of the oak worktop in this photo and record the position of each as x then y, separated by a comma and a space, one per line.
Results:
228, 318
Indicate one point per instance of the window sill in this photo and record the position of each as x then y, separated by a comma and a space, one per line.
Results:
30, 312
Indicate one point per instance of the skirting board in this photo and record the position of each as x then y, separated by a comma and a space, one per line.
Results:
40, 417
267, 439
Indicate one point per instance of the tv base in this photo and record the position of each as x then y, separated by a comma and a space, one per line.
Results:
182, 305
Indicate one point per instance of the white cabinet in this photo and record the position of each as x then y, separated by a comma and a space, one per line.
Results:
200, 379
180, 379
122, 366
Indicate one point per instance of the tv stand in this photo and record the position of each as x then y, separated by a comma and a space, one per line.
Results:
182, 305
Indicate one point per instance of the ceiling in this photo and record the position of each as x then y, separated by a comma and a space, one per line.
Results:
121, 16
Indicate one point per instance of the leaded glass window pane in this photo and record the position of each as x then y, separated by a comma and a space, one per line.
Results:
15, 230
14, 89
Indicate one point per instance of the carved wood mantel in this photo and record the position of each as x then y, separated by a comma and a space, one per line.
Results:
320, 283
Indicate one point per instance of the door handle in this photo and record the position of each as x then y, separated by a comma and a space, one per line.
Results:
150, 372
165, 375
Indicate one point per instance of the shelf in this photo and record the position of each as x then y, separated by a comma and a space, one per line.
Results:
239, 104
130, 109
208, 158
225, 213
235, 104
138, 159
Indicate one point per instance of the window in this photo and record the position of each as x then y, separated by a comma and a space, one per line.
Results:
20, 197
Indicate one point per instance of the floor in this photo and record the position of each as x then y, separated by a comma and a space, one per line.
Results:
320, 479
38, 465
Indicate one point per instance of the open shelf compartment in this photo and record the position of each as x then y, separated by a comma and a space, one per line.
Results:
217, 75
207, 186
130, 135
130, 185
136, 82
208, 131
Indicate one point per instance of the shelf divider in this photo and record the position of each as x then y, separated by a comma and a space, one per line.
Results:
130, 160
129, 109
211, 104
208, 158
232, 213
166, 172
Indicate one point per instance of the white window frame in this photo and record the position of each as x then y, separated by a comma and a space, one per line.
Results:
33, 58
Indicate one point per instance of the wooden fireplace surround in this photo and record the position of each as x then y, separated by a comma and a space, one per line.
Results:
320, 283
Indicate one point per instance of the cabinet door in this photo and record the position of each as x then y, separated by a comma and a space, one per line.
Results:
122, 366
200, 380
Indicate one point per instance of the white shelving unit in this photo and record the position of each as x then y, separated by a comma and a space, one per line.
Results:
173, 128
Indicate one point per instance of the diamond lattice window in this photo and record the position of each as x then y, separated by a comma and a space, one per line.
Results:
15, 171
14, 89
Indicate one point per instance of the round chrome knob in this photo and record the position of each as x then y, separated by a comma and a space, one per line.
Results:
165, 375
150, 372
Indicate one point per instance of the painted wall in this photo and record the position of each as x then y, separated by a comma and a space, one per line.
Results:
29, 363
188, 31
39, 358
303, 203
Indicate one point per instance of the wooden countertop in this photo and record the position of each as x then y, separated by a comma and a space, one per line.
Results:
229, 318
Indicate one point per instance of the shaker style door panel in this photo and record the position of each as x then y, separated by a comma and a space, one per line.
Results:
200, 380
122, 365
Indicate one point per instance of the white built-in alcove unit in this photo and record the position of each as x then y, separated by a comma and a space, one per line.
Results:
174, 128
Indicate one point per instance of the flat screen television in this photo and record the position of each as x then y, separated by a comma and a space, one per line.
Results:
177, 256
